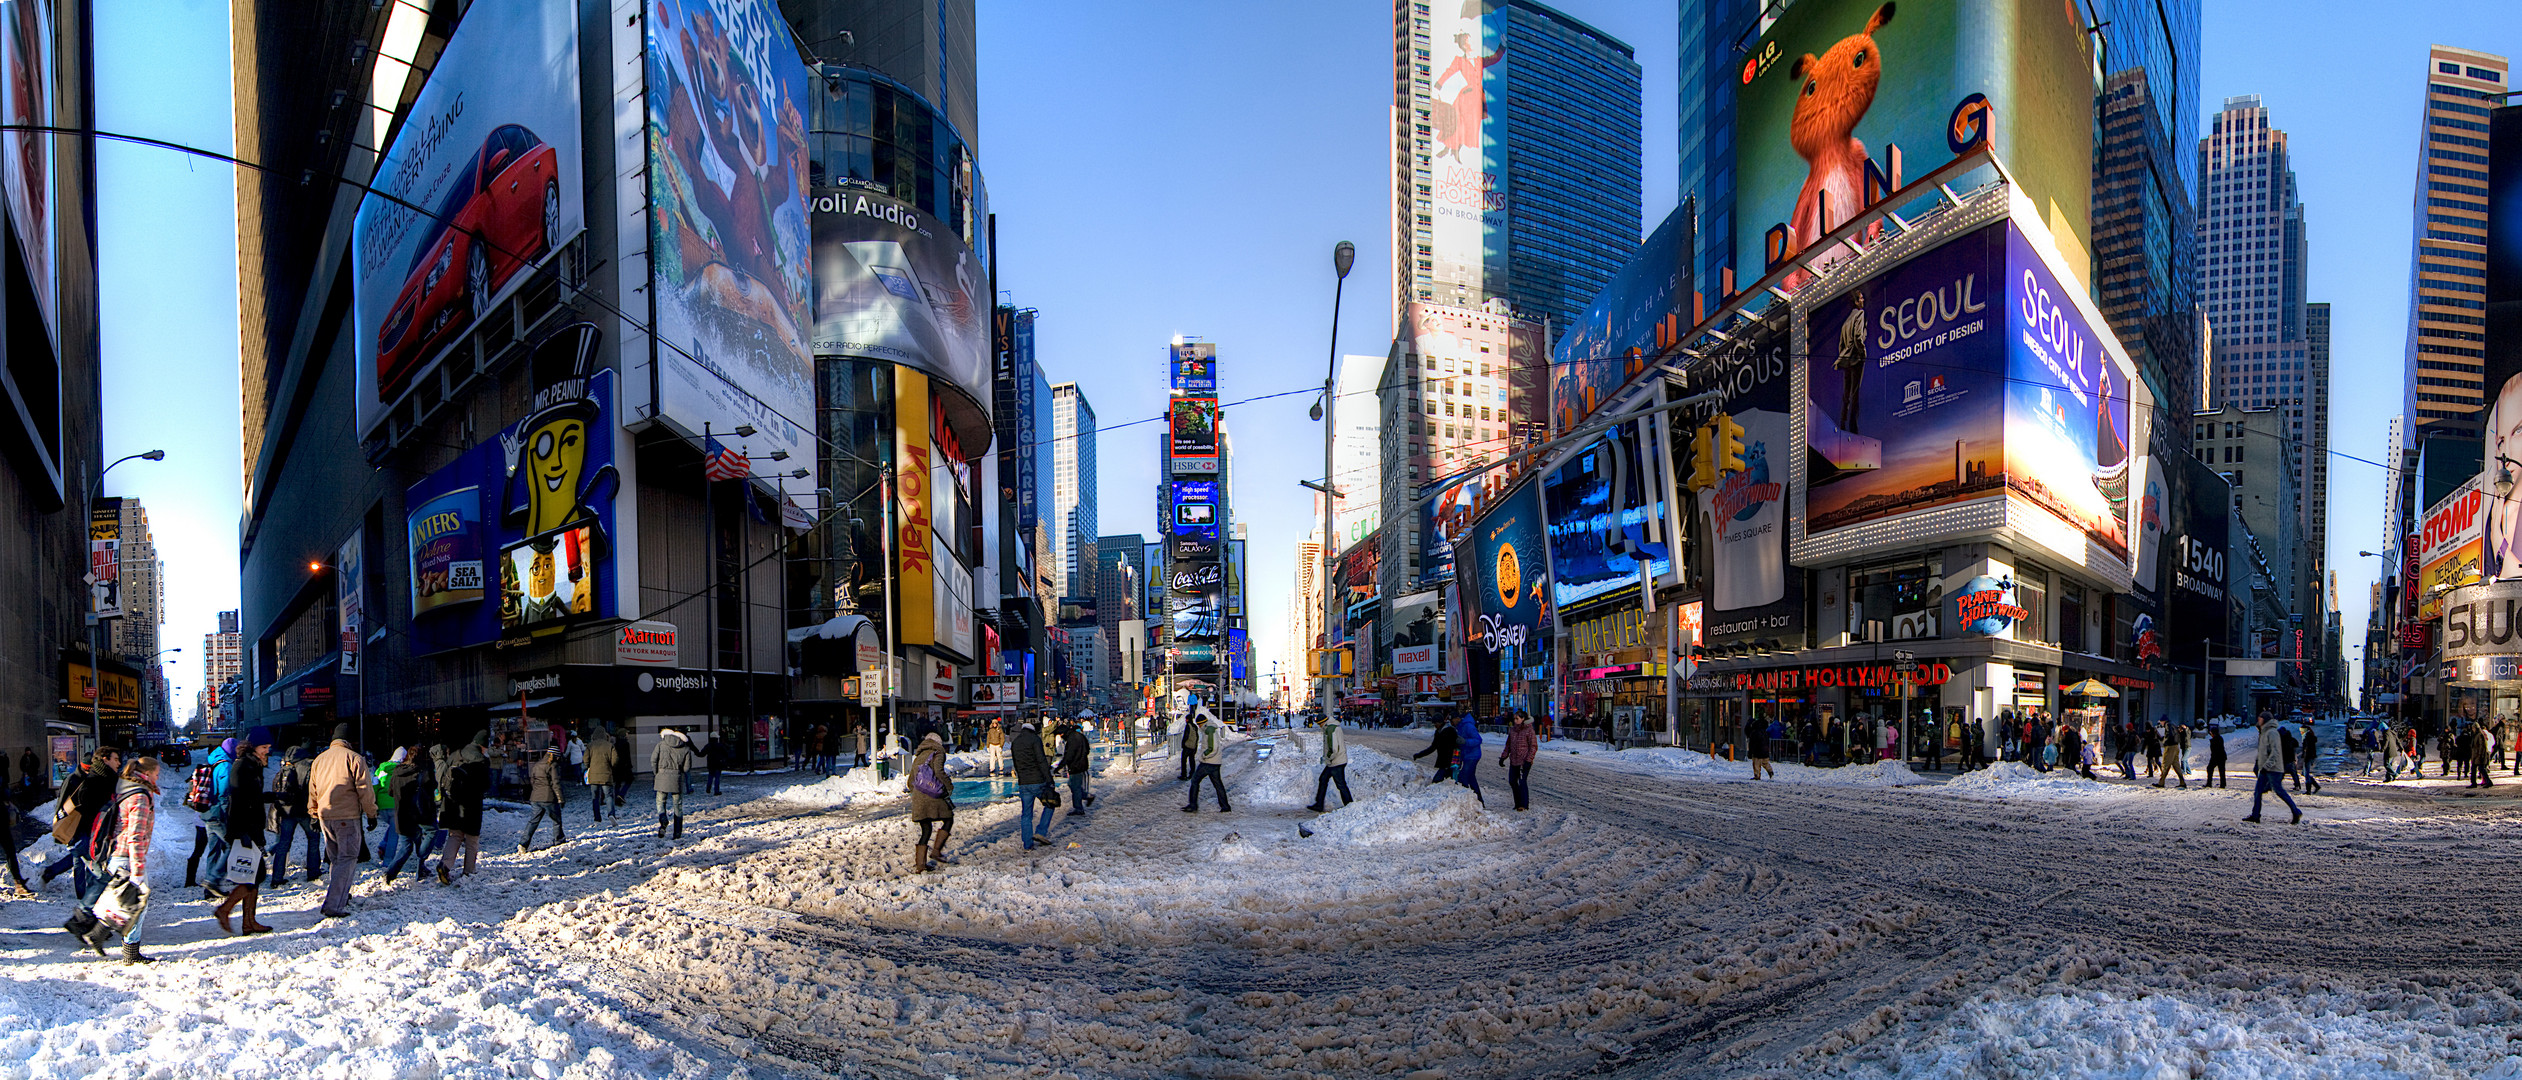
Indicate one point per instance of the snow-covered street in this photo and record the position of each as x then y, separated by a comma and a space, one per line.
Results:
1653, 915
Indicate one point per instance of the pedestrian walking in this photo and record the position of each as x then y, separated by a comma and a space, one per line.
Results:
212, 830
1467, 754
1335, 768
2391, 752
415, 790
83, 797
2293, 749
1212, 764
243, 811
2215, 773
932, 804
1077, 760
463, 782
604, 755
1756, 747
2271, 768
1033, 783
1447, 741
125, 907
997, 741
2311, 757
2176, 757
668, 764
542, 793
1186, 754
384, 789
1521, 748
341, 793
290, 783
2481, 750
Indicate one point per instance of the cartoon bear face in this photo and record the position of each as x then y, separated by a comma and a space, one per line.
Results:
1838, 88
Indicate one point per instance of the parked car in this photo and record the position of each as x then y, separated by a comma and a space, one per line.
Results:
500, 213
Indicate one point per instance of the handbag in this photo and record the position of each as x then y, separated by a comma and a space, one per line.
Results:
245, 862
121, 903
68, 824
1051, 795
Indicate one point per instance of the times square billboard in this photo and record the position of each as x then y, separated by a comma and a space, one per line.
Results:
1964, 389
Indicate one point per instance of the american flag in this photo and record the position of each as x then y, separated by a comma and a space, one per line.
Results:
723, 463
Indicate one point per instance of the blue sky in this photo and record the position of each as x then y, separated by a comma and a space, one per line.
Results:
1163, 169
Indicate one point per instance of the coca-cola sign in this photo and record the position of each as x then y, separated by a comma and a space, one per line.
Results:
648, 642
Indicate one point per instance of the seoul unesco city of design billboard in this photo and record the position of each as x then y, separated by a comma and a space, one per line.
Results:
481, 187
1964, 372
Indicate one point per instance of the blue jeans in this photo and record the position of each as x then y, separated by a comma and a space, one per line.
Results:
1026, 794
1077, 793
673, 798
289, 827
2276, 782
393, 840
1469, 775
436, 837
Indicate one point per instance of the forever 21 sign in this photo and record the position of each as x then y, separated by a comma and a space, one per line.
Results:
2483, 620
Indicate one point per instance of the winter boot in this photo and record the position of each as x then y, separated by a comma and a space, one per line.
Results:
661, 826
80, 924
678, 826
131, 955
919, 858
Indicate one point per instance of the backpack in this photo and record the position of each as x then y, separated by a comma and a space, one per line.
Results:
293, 788
197, 794
926, 781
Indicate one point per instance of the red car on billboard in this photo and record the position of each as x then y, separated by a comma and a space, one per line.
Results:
501, 212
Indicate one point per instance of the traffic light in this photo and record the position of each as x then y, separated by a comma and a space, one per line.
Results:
1729, 444
1703, 457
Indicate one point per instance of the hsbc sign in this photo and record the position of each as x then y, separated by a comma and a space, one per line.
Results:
648, 643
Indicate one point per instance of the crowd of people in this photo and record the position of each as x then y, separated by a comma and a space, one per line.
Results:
250, 806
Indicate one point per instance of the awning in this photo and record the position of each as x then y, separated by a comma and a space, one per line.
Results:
530, 703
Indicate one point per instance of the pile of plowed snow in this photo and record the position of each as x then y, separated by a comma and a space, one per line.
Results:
1287, 779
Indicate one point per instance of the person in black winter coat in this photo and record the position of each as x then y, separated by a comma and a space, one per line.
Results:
1443, 746
466, 781
1077, 760
414, 789
243, 807
1033, 784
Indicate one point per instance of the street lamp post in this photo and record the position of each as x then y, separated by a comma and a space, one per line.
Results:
96, 623
1343, 256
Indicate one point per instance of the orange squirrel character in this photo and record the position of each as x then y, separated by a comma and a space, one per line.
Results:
1838, 89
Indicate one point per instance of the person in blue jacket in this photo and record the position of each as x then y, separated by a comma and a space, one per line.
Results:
215, 821
1467, 755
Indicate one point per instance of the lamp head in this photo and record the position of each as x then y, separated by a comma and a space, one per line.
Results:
1343, 256
1315, 413
155, 455
2504, 481
744, 431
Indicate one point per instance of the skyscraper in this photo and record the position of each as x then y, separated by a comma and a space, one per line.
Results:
2145, 237
1073, 499
1572, 134
1515, 157
2254, 247
221, 662
2447, 316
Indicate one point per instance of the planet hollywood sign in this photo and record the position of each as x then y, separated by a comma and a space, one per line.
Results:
1853, 676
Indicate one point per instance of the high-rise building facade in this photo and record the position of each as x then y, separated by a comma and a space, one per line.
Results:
1572, 107
134, 636
221, 663
2145, 242
1120, 576
2254, 248
2447, 315
926, 44
1073, 493
1515, 133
